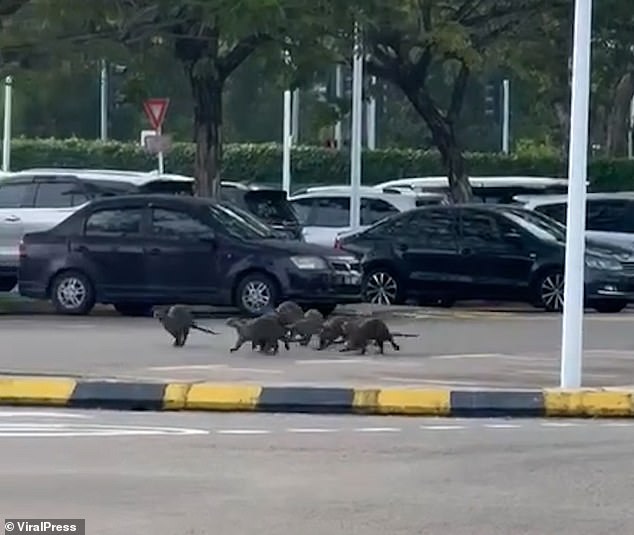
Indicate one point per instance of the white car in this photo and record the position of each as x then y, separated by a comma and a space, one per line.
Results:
324, 212
609, 216
487, 189
38, 199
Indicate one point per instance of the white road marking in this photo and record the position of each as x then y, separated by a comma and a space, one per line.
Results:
90, 430
430, 381
502, 426
378, 429
471, 356
333, 361
255, 370
43, 414
617, 424
189, 367
560, 424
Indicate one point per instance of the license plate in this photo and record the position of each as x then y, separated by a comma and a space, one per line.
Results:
351, 280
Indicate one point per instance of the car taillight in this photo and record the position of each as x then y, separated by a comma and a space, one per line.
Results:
337, 243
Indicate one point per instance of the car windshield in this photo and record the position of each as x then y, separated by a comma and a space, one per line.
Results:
538, 225
236, 225
270, 206
248, 218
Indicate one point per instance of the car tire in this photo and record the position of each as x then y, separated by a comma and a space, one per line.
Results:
380, 286
133, 309
72, 293
609, 306
7, 283
549, 290
255, 294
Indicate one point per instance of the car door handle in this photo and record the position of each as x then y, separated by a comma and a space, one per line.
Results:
467, 251
153, 251
12, 218
79, 249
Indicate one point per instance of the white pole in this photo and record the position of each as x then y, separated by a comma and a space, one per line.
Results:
286, 143
355, 142
6, 141
630, 133
295, 117
507, 115
572, 332
103, 86
339, 94
371, 119
161, 166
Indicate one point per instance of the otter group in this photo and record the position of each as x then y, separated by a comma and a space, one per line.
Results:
288, 323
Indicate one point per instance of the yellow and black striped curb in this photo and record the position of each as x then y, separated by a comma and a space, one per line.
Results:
91, 394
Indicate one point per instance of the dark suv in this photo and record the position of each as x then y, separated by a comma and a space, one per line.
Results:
498, 252
137, 251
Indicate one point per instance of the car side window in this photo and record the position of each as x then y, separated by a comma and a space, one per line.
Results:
373, 210
554, 211
59, 195
332, 212
302, 209
434, 229
114, 222
609, 216
16, 195
480, 229
178, 225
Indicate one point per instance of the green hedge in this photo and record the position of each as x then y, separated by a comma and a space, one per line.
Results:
311, 165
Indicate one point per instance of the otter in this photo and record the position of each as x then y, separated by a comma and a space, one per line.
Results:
332, 332
359, 334
304, 329
265, 332
289, 312
178, 320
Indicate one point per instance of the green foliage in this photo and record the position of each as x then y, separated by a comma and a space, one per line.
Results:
311, 165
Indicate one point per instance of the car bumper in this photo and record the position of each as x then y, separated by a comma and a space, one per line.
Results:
32, 290
324, 287
618, 287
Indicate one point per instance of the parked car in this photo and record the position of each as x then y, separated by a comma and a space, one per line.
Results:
38, 199
137, 251
324, 212
499, 252
486, 189
269, 204
609, 216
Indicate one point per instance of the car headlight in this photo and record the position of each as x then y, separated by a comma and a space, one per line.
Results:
309, 262
608, 264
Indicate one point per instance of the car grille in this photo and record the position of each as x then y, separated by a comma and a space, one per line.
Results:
628, 268
345, 266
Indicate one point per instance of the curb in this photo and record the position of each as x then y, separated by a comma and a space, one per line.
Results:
116, 395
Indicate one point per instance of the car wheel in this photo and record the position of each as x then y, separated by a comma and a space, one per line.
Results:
381, 287
133, 309
611, 306
256, 293
7, 283
550, 291
72, 293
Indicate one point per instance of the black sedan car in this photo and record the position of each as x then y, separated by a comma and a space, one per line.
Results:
138, 251
443, 254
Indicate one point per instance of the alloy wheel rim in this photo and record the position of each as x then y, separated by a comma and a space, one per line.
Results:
71, 293
256, 296
381, 289
552, 292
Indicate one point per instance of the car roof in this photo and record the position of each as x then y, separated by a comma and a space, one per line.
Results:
365, 191
143, 198
137, 178
249, 186
346, 188
538, 200
478, 182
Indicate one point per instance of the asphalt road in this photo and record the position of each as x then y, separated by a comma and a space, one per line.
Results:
456, 348
281, 474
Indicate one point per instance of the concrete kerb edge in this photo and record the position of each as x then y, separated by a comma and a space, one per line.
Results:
236, 397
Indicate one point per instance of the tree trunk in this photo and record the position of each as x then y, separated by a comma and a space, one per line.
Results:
619, 119
444, 137
207, 97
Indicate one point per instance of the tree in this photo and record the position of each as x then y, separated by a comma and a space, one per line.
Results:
407, 41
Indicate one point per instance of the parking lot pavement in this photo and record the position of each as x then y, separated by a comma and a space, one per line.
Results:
315, 474
499, 350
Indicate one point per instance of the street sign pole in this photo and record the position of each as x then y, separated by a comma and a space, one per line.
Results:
506, 115
572, 332
155, 109
6, 141
287, 142
357, 132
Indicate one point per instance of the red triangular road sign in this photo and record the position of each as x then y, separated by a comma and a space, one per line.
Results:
155, 109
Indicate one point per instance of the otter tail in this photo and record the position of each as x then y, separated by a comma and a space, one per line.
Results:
405, 335
203, 329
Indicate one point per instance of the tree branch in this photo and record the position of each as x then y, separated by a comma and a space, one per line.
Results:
457, 95
240, 52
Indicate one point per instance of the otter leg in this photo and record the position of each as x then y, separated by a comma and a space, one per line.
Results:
379, 343
394, 344
238, 345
